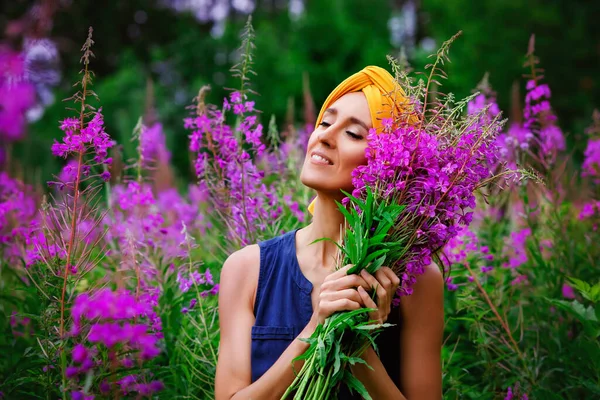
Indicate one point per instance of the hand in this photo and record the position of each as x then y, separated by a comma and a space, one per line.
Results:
338, 293
384, 283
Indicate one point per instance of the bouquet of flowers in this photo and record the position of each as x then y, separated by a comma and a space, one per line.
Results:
413, 195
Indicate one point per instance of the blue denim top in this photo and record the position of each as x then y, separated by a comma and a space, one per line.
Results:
283, 307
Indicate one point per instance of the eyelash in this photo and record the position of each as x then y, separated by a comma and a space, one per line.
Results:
351, 134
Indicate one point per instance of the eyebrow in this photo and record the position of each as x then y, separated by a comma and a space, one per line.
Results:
354, 120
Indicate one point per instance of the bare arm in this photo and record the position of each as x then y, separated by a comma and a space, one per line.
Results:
377, 380
236, 298
422, 335
239, 278
420, 343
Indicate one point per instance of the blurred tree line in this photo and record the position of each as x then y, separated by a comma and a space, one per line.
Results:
298, 42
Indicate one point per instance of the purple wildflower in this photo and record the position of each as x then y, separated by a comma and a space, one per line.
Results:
520, 279
517, 248
79, 353
434, 178
91, 136
153, 145
591, 161
567, 291
77, 395
509, 394
450, 285
17, 95
540, 119
227, 163
71, 371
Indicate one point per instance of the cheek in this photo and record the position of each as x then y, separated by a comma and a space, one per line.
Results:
356, 158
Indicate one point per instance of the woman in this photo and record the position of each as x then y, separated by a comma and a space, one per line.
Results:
277, 292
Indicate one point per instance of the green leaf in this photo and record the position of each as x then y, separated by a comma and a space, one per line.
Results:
595, 293
577, 309
336, 357
580, 285
321, 352
344, 211
371, 327
355, 200
356, 385
376, 264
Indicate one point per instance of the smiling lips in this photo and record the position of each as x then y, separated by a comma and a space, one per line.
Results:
319, 158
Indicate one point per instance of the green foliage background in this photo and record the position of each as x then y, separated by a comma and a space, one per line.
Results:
329, 41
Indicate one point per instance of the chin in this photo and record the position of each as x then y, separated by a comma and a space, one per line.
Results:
319, 182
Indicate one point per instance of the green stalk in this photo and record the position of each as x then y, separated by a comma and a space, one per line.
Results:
326, 389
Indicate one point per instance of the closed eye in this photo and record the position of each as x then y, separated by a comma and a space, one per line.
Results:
351, 134
354, 135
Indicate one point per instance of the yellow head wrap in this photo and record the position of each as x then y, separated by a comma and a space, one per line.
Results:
384, 96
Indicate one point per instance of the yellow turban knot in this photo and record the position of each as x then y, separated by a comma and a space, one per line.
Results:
385, 97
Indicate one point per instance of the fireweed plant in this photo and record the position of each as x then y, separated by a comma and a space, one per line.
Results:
414, 194
240, 174
92, 340
140, 300
510, 284
17, 95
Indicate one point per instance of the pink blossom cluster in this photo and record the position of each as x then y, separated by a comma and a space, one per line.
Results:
538, 135
591, 162
204, 283
20, 326
226, 165
144, 221
512, 394
539, 118
112, 321
153, 144
591, 155
516, 248
18, 217
464, 248
434, 177
84, 138
17, 95
148, 230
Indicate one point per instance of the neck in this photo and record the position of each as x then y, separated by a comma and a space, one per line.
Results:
327, 222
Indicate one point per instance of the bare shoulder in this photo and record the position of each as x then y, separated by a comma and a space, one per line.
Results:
242, 261
239, 274
428, 291
431, 280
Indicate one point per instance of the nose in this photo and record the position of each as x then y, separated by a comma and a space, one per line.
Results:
328, 137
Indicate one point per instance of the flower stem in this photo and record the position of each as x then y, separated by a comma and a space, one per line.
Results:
499, 318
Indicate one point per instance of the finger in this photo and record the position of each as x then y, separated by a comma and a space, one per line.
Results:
339, 273
392, 276
383, 279
366, 298
369, 303
351, 294
370, 279
341, 305
381, 288
345, 282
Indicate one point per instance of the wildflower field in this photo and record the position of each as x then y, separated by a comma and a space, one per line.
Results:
109, 270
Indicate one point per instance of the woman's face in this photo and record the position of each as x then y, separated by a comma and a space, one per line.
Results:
337, 146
